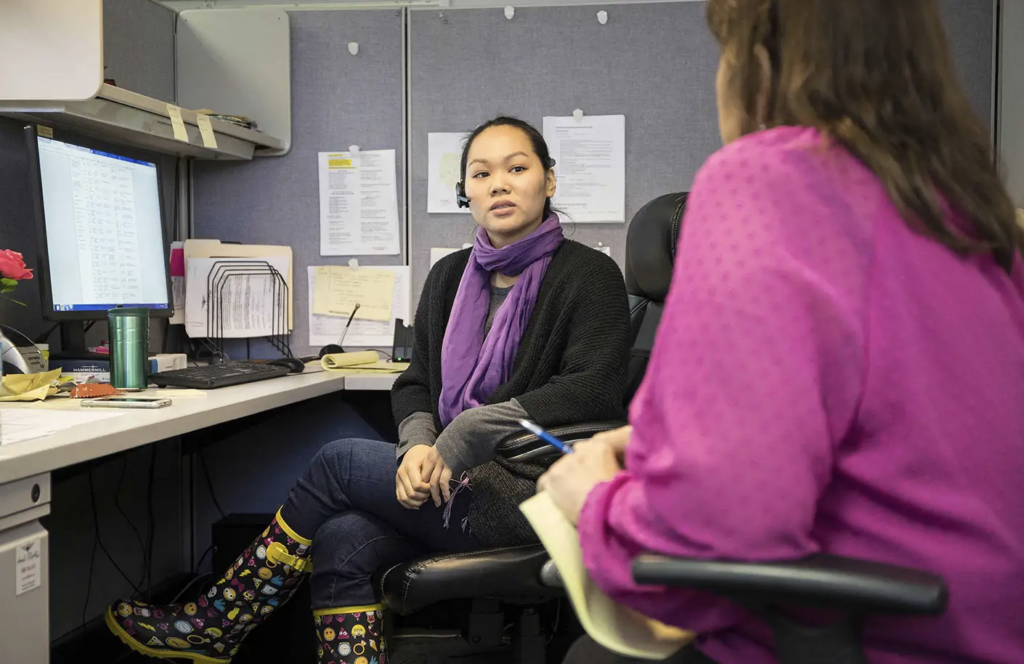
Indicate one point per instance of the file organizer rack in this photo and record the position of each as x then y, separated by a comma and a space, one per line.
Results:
217, 283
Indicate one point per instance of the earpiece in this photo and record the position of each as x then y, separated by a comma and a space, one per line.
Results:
460, 195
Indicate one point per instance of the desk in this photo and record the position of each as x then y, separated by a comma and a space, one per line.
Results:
140, 427
25, 480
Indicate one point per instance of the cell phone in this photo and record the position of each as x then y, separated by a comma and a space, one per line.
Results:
126, 402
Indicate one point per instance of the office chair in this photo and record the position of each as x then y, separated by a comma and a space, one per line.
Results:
852, 589
523, 577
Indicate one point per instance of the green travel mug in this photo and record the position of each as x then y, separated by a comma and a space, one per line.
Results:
129, 348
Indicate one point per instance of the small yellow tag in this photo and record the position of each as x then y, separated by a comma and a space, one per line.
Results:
45, 132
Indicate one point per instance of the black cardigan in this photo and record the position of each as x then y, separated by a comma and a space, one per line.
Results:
570, 367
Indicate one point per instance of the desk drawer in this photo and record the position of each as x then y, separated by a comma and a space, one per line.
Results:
25, 494
25, 617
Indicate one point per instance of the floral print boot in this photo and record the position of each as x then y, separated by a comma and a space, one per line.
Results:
353, 635
211, 627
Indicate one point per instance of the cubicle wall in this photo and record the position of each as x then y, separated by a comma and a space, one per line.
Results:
338, 100
653, 63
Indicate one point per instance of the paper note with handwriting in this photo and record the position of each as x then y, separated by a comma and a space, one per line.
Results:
325, 330
339, 289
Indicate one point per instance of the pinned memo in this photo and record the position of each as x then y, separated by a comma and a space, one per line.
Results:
338, 289
358, 203
590, 162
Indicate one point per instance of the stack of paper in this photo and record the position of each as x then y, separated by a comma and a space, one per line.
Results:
361, 362
247, 312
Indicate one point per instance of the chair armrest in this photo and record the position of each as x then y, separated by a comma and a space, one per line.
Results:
820, 581
526, 446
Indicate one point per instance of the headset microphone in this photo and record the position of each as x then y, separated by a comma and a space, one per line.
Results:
460, 195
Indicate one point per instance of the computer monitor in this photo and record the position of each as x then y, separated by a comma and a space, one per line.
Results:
101, 232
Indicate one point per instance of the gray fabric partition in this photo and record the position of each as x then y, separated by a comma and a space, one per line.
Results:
138, 46
653, 63
338, 100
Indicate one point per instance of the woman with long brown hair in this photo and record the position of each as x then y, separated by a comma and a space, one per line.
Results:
840, 363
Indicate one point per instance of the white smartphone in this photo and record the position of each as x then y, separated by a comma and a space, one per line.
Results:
126, 402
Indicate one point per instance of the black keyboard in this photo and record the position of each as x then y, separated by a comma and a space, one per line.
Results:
218, 375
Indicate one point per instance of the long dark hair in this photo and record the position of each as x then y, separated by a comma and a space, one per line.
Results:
540, 146
877, 77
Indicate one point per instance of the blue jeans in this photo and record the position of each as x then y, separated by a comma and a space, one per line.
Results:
345, 502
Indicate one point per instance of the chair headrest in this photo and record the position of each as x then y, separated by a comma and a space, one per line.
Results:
651, 246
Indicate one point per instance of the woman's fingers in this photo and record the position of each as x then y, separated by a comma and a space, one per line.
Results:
445, 481
435, 483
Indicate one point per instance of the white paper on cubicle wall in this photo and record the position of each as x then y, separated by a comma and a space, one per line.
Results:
444, 157
358, 203
325, 330
218, 249
339, 289
590, 163
437, 253
243, 305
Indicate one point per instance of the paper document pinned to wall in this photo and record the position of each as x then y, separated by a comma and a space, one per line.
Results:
325, 330
590, 162
437, 253
338, 289
243, 306
444, 161
358, 203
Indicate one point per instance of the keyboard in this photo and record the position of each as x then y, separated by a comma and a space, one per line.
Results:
217, 375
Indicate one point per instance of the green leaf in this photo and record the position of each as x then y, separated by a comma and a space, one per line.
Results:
6, 281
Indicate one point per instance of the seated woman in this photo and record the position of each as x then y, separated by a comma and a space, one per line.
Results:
527, 324
840, 364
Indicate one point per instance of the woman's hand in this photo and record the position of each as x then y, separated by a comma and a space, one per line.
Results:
411, 488
422, 475
571, 479
617, 439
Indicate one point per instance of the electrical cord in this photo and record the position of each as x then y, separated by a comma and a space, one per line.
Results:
131, 524
151, 532
99, 541
209, 484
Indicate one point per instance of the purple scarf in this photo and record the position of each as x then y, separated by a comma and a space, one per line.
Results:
472, 367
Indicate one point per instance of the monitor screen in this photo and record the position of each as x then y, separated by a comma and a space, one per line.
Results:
103, 229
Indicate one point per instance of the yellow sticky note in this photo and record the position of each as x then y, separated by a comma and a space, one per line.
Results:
206, 130
177, 123
337, 290
45, 132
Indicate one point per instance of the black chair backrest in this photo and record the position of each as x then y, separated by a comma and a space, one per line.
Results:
650, 253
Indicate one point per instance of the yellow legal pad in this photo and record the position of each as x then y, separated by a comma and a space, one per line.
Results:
616, 627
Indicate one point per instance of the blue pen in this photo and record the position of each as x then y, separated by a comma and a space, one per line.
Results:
545, 436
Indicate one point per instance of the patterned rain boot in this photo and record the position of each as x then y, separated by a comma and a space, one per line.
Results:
353, 635
211, 628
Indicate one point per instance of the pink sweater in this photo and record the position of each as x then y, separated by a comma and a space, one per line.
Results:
825, 379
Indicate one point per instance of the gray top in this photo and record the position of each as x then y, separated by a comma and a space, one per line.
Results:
498, 296
473, 437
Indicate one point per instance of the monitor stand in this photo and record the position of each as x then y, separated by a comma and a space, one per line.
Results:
72, 343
